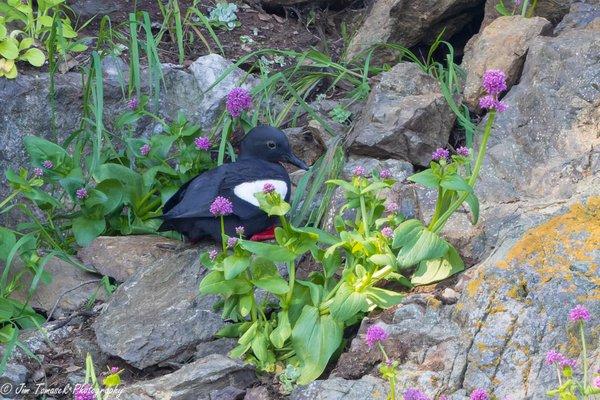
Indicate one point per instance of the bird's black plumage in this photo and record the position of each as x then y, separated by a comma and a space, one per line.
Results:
261, 151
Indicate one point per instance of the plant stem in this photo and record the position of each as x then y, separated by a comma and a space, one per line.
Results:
292, 274
478, 163
524, 9
9, 198
363, 210
438, 206
223, 241
584, 355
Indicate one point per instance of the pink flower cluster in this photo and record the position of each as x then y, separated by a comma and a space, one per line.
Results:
440, 154
231, 242
238, 100
358, 171
554, 357
479, 394
494, 83
145, 149
268, 188
83, 392
375, 334
202, 143
387, 232
414, 394
81, 193
221, 206
579, 313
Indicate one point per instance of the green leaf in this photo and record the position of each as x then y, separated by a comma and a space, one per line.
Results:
245, 304
7, 241
347, 303
455, 182
215, 283
473, 203
315, 338
342, 183
426, 178
272, 284
273, 252
9, 49
34, 57
417, 243
113, 190
86, 230
235, 265
259, 347
40, 150
383, 298
382, 259
283, 330
430, 271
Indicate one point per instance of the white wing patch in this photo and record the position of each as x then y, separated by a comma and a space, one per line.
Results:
246, 190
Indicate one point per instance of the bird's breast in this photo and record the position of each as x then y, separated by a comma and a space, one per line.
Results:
246, 190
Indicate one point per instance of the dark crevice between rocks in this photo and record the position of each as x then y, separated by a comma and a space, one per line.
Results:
300, 11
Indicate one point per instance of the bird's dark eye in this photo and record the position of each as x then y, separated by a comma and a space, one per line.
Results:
271, 144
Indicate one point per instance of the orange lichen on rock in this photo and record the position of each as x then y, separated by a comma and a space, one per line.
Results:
552, 247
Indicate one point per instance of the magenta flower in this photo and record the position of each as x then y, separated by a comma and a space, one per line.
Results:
221, 206
579, 313
81, 193
553, 357
48, 164
231, 242
83, 392
596, 382
145, 149
387, 232
213, 254
517, 3
114, 370
440, 154
238, 100
37, 172
375, 334
358, 171
414, 394
133, 103
202, 143
568, 362
391, 207
239, 230
489, 102
463, 151
268, 188
494, 81
385, 174
479, 394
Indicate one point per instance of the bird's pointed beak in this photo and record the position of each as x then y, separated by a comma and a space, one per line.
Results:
292, 159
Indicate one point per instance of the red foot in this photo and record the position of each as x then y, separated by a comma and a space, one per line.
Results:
267, 234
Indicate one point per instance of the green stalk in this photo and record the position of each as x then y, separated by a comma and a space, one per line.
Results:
363, 210
223, 242
9, 198
480, 157
438, 207
524, 9
584, 351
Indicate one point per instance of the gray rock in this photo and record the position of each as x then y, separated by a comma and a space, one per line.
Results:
206, 379
86, 9
367, 387
400, 169
220, 346
406, 117
121, 256
69, 288
14, 376
412, 22
580, 16
157, 314
259, 393
306, 145
552, 10
502, 45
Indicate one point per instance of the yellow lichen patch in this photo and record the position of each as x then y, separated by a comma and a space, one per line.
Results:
552, 247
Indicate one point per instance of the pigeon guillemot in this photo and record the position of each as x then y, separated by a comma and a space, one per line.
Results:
261, 151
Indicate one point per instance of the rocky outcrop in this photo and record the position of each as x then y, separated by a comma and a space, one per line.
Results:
121, 256
157, 314
552, 10
212, 377
406, 117
412, 22
501, 45
580, 15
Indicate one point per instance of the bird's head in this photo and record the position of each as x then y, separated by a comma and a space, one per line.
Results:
270, 144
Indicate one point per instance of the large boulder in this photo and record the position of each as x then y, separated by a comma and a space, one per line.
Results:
580, 15
157, 314
501, 45
212, 377
552, 10
406, 117
412, 22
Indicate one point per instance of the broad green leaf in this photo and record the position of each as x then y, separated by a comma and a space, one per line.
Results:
273, 252
25, 43
272, 284
315, 338
235, 265
455, 182
34, 57
417, 243
279, 208
7, 241
430, 271
9, 49
426, 178
2, 31
382, 259
283, 330
113, 190
383, 298
215, 283
86, 230
245, 304
40, 150
473, 203
346, 185
347, 303
259, 347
